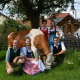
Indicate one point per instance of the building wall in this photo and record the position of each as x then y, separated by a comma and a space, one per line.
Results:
2, 18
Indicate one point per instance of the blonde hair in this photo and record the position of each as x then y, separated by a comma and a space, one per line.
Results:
54, 24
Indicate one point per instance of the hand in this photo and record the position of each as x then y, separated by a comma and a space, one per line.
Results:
36, 59
10, 70
55, 54
14, 61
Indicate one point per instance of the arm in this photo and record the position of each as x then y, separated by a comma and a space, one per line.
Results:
48, 37
48, 34
61, 52
58, 36
32, 59
22, 56
8, 64
51, 49
63, 49
7, 60
18, 57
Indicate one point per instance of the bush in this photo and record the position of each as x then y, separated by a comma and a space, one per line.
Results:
1, 45
71, 60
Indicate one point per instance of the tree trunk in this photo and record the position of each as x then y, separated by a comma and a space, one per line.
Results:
35, 21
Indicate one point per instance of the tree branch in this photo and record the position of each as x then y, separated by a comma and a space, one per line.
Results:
51, 6
4, 3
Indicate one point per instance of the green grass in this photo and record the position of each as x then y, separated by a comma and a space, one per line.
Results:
68, 70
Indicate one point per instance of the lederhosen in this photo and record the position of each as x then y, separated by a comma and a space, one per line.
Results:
57, 50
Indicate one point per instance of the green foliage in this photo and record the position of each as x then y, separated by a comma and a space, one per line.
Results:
6, 28
71, 60
31, 9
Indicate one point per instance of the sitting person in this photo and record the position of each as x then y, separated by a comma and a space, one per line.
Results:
33, 66
14, 57
58, 49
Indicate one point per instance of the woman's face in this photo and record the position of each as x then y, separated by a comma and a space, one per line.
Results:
27, 42
44, 24
52, 23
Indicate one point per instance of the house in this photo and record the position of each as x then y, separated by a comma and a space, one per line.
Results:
27, 23
3, 17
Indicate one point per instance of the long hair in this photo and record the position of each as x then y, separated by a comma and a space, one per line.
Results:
27, 37
54, 24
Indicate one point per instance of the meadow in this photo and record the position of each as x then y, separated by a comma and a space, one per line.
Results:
68, 70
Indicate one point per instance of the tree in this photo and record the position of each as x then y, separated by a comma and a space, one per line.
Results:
33, 8
6, 28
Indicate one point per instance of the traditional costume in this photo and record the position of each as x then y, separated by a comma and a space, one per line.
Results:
56, 49
45, 32
52, 35
32, 67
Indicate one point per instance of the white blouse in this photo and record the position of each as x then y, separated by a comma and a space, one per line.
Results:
46, 29
25, 50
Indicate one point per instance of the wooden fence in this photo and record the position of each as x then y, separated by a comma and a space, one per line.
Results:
71, 42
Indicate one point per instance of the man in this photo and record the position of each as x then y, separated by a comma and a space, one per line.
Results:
58, 49
14, 57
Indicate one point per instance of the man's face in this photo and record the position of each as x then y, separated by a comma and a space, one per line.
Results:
15, 44
55, 41
44, 24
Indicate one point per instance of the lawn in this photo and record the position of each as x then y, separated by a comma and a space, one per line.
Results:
68, 70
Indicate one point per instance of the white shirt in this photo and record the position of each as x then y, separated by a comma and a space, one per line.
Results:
54, 30
62, 45
45, 28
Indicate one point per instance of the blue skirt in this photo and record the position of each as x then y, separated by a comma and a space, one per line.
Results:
51, 39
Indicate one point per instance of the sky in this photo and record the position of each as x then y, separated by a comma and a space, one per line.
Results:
76, 6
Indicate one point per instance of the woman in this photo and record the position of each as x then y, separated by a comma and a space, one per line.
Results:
53, 31
45, 30
31, 66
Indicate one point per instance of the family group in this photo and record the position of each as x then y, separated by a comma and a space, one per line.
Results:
23, 58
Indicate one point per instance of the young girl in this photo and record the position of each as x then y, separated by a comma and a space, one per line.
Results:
27, 49
31, 66
53, 32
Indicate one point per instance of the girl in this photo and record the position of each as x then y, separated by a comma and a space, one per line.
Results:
31, 66
53, 32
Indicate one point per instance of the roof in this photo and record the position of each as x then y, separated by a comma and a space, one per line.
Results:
59, 15
62, 15
27, 23
4, 15
68, 17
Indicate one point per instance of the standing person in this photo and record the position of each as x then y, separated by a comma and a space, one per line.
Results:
45, 30
53, 31
14, 57
33, 66
58, 49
